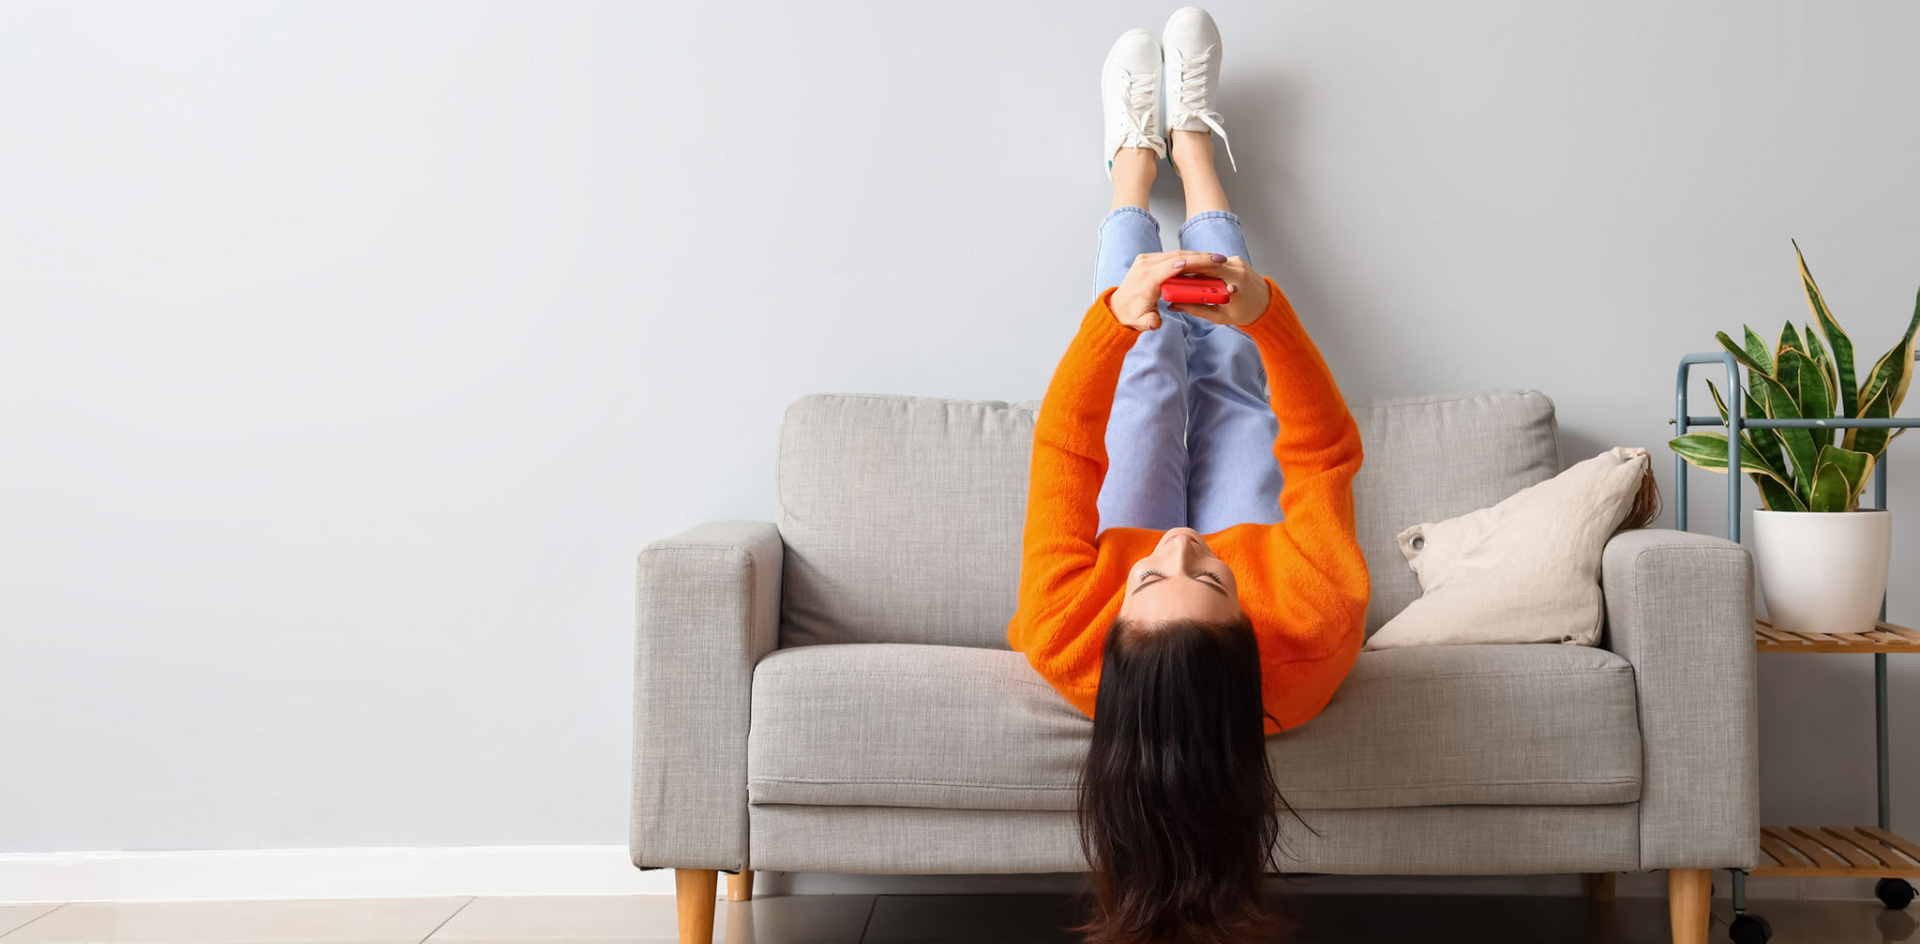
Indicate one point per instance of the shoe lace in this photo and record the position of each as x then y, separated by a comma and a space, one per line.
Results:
1193, 99
1140, 108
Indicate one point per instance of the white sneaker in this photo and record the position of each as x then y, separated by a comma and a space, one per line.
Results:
1130, 95
1190, 44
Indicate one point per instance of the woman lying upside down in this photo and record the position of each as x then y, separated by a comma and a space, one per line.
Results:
1190, 578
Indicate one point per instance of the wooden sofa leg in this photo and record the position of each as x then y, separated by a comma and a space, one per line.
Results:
1600, 886
1689, 900
740, 885
693, 891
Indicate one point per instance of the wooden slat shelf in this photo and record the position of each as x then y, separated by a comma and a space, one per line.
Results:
1836, 852
1883, 637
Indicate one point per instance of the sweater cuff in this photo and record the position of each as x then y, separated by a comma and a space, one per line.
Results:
1278, 322
1103, 330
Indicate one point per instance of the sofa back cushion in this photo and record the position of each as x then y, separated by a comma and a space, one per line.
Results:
901, 518
1438, 457
902, 515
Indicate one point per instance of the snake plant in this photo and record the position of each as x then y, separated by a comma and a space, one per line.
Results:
1805, 469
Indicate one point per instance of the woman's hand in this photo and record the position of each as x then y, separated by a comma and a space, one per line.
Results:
1135, 302
1247, 295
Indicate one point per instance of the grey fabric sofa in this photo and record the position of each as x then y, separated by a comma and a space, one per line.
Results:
833, 691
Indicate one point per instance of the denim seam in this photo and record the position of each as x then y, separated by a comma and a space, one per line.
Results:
1208, 215
1128, 210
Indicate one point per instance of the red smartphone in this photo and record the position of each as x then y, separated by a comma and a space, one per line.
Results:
1194, 289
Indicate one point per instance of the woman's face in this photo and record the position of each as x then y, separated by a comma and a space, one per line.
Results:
1181, 579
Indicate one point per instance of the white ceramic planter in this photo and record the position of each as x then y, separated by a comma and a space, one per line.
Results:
1822, 572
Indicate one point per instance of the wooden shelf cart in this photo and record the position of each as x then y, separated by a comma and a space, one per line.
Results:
1811, 851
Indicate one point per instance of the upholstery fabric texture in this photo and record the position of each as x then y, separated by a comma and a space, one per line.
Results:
951, 727
1421, 840
901, 518
709, 603
1680, 609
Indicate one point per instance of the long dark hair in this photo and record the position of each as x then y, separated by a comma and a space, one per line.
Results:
1178, 807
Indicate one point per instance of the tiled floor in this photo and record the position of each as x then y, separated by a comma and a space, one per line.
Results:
896, 919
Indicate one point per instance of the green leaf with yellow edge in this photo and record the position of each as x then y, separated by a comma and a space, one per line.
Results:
1829, 492
1708, 450
1871, 441
1853, 466
1894, 369
1768, 441
1762, 441
1837, 340
1775, 496
1718, 401
1820, 356
1812, 399
1838, 479
1757, 349
1746, 357
1786, 368
1798, 442
1907, 377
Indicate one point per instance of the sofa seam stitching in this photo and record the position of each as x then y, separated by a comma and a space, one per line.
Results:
881, 676
1613, 669
1056, 789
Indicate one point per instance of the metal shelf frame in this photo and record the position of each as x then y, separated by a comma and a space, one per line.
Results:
1736, 423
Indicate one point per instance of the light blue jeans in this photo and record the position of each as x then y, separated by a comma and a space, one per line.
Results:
1190, 439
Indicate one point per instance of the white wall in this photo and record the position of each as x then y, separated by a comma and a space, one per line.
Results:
351, 351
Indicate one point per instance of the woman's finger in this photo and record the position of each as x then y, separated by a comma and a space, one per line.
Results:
1208, 261
1186, 262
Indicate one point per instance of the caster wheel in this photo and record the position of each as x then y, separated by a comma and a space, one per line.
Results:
1749, 929
1895, 893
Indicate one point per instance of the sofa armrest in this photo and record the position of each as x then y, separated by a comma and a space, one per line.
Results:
1680, 609
709, 608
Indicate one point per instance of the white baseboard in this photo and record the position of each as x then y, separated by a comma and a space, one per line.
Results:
224, 875
326, 873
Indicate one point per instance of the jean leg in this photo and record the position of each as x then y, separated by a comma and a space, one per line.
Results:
1146, 482
1232, 475
1215, 231
1125, 233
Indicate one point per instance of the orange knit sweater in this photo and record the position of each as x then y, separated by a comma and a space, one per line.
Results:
1302, 581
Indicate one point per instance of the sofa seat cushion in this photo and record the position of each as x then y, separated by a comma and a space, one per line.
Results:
954, 727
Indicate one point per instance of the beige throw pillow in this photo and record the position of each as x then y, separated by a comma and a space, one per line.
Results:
1524, 570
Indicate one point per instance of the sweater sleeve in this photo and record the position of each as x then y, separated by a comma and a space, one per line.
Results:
1059, 555
1313, 555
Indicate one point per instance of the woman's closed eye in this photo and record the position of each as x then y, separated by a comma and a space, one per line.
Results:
1222, 584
